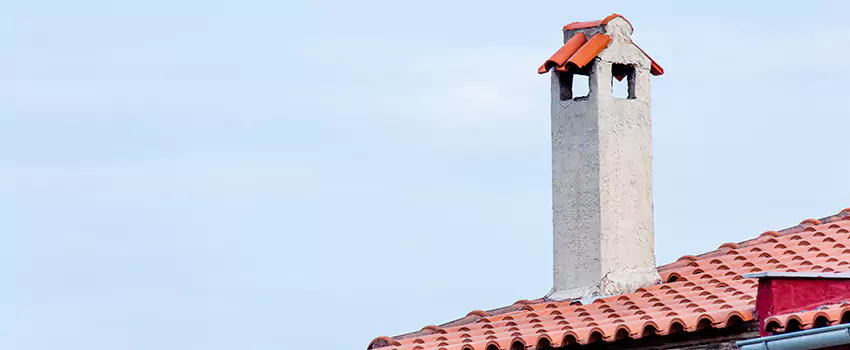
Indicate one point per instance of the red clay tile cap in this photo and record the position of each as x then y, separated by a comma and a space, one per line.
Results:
430, 328
589, 50
590, 24
564, 53
770, 233
480, 313
380, 342
579, 49
730, 245
810, 221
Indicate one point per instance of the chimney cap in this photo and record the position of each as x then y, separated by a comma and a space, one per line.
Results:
581, 48
596, 23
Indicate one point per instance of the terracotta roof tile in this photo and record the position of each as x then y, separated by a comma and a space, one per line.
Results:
589, 50
707, 290
560, 57
579, 51
826, 315
590, 24
655, 68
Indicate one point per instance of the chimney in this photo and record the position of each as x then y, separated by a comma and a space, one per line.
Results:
601, 162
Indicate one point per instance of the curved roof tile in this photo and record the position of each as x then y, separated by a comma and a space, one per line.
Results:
580, 50
590, 24
824, 316
712, 295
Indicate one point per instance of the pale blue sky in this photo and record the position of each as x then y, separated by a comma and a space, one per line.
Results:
277, 175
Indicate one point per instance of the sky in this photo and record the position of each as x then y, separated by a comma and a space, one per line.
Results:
279, 175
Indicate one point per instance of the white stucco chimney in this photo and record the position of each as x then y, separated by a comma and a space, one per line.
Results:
601, 163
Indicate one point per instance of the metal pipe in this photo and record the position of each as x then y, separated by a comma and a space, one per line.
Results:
817, 338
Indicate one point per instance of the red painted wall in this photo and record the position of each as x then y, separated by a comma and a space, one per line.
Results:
778, 296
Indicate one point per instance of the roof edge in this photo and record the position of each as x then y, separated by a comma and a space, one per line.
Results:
844, 214
823, 337
773, 274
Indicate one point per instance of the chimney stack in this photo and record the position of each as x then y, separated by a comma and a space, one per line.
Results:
601, 162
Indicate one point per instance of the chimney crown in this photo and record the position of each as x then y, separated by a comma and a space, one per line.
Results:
615, 28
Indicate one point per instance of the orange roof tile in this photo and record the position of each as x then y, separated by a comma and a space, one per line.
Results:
589, 50
826, 315
564, 53
580, 51
590, 24
703, 291
654, 67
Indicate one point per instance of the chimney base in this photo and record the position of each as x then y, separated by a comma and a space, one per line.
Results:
614, 283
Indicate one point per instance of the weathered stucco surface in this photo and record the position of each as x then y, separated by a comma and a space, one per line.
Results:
602, 178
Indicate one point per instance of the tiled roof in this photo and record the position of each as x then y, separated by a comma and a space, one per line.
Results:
579, 50
704, 291
823, 316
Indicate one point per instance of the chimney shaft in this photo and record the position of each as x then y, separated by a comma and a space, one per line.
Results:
602, 172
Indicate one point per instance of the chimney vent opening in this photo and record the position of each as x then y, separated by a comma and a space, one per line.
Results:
574, 86
623, 81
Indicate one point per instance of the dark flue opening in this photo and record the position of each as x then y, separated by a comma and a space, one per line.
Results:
649, 331
623, 81
544, 344
575, 83
517, 345
845, 317
565, 82
569, 339
622, 334
595, 337
793, 326
492, 347
820, 321
771, 327
573, 86
676, 327
672, 278
704, 324
734, 321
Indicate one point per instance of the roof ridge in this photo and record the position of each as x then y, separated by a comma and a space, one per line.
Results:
844, 214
